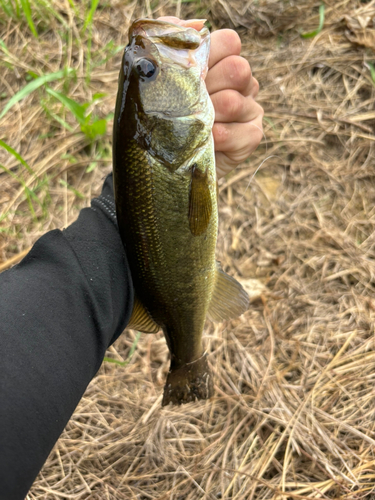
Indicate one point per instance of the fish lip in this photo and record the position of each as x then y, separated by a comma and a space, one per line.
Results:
183, 45
142, 24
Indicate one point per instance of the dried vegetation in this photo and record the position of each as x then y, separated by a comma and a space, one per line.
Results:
293, 415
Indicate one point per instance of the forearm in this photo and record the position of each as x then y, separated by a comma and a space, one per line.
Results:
60, 308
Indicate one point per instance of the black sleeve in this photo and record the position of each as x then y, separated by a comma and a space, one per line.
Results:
60, 309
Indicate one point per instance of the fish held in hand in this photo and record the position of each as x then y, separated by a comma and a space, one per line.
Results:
166, 198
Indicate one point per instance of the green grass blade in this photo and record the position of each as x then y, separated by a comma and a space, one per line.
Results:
16, 155
71, 3
130, 355
17, 9
98, 95
6, 8
90, 14
48, 6
270, 122
311, 34
92, 130
77, 109
134, 345
92, 166
72, 189
27, 190
33, 85
115, 361
4, 47
27, 11
371, 67
30, 195
54, 116
88, 23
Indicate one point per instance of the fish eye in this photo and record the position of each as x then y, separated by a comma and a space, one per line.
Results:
146, 68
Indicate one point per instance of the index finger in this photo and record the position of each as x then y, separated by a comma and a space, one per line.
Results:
224, 43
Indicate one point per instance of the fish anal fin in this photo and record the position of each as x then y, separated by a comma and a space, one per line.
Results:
141, 320
229, 299
200, 204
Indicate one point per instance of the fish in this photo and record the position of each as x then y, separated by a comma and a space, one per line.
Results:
166, 198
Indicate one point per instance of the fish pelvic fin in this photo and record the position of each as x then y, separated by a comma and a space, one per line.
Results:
229, 299
190, 382
141, 320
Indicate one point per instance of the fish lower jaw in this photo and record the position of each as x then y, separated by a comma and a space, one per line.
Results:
191, 382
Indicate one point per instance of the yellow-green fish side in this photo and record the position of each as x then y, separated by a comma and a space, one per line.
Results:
173, 270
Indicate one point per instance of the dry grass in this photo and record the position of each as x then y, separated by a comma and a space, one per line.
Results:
293, 415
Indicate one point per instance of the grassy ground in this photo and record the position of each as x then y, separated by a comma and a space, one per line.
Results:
293, 415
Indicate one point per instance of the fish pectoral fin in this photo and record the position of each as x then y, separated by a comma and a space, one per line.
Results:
141, 320
229, 299
200, 204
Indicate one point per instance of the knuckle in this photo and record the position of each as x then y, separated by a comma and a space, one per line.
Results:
232, 41
239, 70
257, 112
231, 104
255, 87
236, 107
220, 133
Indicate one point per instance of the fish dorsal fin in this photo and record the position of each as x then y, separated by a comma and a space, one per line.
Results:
200, 204
229, 300
141, 320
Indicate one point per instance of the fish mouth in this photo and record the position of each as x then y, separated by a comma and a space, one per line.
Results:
169, 34
184, 46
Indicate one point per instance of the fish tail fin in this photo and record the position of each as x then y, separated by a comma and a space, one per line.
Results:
190, 382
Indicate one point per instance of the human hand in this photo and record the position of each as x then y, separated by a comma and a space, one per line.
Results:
237, 130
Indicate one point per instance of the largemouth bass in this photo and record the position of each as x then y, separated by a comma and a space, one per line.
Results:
166, 198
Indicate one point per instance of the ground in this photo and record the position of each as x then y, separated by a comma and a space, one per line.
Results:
293, 414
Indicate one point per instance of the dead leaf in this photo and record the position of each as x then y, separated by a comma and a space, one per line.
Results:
267, 259
359, 31
269, 186
366, 39
357, 23
255, 288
